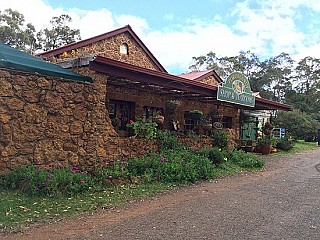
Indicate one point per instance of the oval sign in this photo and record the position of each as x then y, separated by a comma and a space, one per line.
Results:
218, 125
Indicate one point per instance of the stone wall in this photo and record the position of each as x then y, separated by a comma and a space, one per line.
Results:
210, 81
110, 48
45, 119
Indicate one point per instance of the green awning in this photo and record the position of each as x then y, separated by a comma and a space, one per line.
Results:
14, 59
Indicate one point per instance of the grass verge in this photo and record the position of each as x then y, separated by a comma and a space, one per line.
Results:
18, 210
299, 146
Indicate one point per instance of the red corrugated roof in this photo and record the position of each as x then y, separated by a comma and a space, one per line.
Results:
198, 76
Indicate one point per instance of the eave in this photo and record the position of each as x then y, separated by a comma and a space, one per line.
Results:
188, 89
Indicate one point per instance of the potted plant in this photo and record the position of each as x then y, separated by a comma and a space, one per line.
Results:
250, 146
267, 128
172, 104
265, 144
195, 115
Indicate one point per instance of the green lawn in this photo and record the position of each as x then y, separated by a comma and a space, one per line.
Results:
299, 146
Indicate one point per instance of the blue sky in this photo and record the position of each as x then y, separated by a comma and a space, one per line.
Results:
177, 30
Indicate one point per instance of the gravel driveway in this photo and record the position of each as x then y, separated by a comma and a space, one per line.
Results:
280, 202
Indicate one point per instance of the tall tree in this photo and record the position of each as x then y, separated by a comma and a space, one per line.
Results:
15, 33
275, 76
246, 63
58, 34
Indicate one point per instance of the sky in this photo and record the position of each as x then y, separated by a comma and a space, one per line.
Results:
177, 30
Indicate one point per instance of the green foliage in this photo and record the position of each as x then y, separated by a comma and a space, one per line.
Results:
285, 143
59, 33
215, 155
195, 114
267, 140
167, 140
35, 181
172, 166
220, 139
143, 129
298, 125
246, 160
15, 33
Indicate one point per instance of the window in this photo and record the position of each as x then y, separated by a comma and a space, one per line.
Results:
189, 122
150, 112
120, 113
124, 49
227, 122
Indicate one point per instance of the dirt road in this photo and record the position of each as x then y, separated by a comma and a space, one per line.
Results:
281, 202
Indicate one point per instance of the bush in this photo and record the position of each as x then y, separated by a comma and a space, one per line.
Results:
167, 140
35, 181
285, 143
246, 160
215, 155
220, 139
298, 125
172, 166
143, 129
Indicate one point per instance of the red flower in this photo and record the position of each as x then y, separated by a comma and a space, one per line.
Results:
130, 121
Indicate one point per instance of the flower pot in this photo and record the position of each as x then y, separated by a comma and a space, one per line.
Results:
158, 119
265, 149
207, 127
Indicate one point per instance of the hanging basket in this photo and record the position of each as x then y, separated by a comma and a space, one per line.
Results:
172, 104
195, 115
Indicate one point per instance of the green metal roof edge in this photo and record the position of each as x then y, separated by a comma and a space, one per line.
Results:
17, 60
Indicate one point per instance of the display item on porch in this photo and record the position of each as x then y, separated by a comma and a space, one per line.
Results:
267, 128
215, 114
172, 104
159, 119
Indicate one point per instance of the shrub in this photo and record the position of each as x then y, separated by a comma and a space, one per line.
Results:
35, 181
214, 154
285, 143
246, 160
167, 140
220, 139
143, 129
172, 166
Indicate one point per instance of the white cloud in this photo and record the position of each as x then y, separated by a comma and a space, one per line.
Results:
266, 28
92, 23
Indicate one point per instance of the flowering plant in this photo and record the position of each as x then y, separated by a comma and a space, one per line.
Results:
143, 129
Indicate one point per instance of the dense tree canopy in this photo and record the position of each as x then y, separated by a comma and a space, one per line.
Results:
278, 78
16, 33
58, 34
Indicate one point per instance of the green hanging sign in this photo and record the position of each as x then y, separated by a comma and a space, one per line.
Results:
236, 90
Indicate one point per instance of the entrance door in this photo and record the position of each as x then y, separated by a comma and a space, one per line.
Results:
249, 129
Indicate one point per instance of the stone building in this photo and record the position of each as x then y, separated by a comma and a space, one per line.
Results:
51, 118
